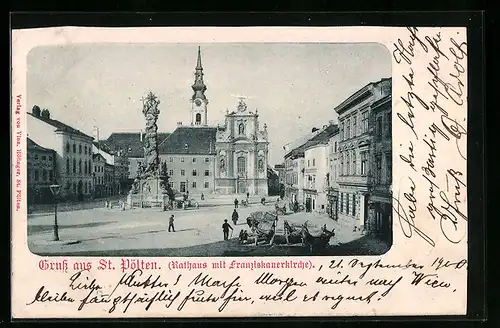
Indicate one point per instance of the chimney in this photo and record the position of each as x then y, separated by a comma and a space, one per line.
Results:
179, 123
36, 110
314, 129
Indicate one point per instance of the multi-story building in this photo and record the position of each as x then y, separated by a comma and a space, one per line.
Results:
190, 156
356, 138
316, 160
379, 219
294, 168
99, 162
73, 159
110, 186
333, 175
280, 169
41, 173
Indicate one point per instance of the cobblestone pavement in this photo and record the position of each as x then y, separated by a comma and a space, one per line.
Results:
144, 232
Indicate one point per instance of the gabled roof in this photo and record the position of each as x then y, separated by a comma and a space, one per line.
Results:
129, 142
98, 156
60, 126
190, 141
31, 145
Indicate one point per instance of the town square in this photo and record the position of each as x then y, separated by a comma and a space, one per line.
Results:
249, 173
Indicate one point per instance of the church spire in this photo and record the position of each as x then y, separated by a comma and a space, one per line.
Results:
199, 86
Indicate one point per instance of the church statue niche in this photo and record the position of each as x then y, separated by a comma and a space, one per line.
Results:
241, 128
261, 165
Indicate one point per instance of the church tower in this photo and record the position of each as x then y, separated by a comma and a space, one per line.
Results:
199, 101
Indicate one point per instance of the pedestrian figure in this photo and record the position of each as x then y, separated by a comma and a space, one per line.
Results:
202, 197
235, 217
171, 223
236, 203
248, 195
225, 229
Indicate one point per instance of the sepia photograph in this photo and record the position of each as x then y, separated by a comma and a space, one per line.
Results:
209, 150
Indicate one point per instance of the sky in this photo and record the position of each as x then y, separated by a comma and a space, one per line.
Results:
294, 87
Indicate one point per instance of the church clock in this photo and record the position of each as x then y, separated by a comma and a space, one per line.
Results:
197, 102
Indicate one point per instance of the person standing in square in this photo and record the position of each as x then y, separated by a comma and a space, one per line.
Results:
171, 223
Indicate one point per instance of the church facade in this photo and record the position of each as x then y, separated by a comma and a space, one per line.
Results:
234, 155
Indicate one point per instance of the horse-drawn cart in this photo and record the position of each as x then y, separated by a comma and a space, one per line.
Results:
262, 227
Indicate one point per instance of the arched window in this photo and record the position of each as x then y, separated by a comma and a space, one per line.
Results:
242, 164
67, 163
198, 118
241, 128
74, 165
80, 166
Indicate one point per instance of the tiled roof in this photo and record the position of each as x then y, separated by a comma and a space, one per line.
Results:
319, 137
190, 141
31, 145
60, 126
129, 142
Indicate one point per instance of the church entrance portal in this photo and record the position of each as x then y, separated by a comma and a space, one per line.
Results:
242, 187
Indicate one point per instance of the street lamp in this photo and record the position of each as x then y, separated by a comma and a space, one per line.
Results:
55, 189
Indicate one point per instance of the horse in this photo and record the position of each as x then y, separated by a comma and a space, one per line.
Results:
316, 243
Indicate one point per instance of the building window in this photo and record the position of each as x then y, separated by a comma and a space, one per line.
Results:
364, 160
342, 131
67, 147
44, 175
36, 156
171, 184
379, 127
388, 165
86, 181
388, 120
378, 173
79, 149
183, 172
241, 128
171, 159
348, 129
354, 171
74, 148
171, 172
353, 205
80, 166
51, 176
314, 162
308, 163
50, 158
74, 165
44, 158
194, 173
85, 152
241, 164
85, 167
193, 184
207, 160
182, 159
341, 163
335, 146
194, 159
183, 186
207, 173
364, 121
67, 165
198, 119
261, 165
347, 163
341, 202
347, 204
74, 188
207, 184
354, 119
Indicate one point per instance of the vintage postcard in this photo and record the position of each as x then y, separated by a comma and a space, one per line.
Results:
239, 172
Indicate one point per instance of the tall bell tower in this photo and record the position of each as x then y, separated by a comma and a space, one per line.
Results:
199, 101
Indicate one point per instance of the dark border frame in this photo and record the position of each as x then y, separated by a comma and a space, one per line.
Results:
473, 20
